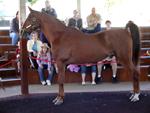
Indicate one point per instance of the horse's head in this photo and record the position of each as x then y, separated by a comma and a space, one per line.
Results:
31, 23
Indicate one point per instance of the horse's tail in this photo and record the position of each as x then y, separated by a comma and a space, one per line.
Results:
134, 30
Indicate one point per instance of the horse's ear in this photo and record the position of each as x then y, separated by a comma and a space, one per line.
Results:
30, 9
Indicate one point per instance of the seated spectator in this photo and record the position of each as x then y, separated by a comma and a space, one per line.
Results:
93, 22
44, 62
75, 21
14, 29
113, 63
33, 47
84, 71
111, 60
94, 25
108, 24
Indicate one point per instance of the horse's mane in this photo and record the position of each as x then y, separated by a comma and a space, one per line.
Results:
60, 23
53, 18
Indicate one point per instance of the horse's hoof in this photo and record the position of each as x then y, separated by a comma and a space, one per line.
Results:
55, 99
59, 102
135, 97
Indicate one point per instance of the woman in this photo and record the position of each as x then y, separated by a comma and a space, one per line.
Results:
33, 47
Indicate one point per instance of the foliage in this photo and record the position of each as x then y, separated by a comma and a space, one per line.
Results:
32, 1
112, 3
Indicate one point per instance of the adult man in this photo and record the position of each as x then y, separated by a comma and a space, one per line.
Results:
93, 22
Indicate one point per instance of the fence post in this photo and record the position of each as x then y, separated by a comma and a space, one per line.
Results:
24, 67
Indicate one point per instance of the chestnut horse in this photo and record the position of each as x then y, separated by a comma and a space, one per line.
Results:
71, 46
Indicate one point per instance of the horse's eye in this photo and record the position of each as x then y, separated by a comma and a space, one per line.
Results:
33, 19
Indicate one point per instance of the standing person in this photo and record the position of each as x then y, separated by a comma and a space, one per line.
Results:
93, 22
14, 29
50, 11
44, 62
111, 60
33, 47
75, 21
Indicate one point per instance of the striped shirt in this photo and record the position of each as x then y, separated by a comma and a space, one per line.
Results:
44, 59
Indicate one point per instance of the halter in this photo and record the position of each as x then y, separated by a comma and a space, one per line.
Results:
35, 24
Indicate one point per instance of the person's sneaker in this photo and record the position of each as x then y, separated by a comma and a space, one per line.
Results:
99, 76
104, 67
114, 80
83, 83
93, 83
43, 83
98, 80
48, 82
148, 75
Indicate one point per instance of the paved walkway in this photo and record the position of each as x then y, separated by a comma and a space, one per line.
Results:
74, 87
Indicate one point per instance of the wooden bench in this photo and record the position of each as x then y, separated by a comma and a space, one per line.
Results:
5, 40
8, 74
72, 77
4, 32
107, 74
7, 47
144, 29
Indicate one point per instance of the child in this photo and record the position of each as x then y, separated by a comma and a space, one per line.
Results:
44, 62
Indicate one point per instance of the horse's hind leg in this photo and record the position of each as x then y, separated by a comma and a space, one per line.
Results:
61, 75
132, 69
126, 61
136, 87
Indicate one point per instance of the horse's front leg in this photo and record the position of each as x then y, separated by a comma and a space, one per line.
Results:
61, 76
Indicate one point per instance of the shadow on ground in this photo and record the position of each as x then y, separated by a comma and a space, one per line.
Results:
103, 102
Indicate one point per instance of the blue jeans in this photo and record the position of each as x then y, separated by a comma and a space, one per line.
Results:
41, 73
84, 69
95, 30
15, 38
